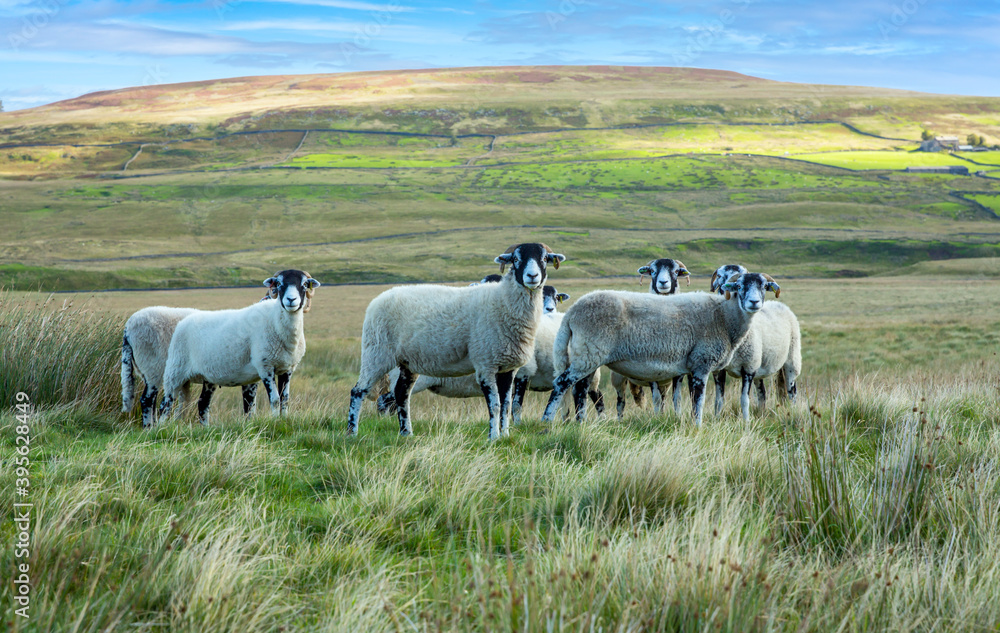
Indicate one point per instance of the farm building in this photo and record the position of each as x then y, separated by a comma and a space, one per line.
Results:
940, 143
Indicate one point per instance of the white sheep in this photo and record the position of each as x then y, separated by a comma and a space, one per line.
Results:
651, 338
536, 375
264, 341
773, 346
663, 275
486, 329
144, 350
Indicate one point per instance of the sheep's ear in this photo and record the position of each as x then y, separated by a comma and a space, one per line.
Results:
271, 281
730, 287
684, 272
312, 283
562, 296
503, 260
555, 259
645, 270
773, 287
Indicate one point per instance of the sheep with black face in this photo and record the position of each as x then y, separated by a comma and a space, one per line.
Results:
695, 333
773, 346
144, 351
264, 341
487, 329
536, 375
663, 281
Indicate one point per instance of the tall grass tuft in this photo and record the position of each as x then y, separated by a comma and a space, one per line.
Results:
59, 354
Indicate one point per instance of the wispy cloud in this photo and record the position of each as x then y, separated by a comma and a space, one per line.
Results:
64, 44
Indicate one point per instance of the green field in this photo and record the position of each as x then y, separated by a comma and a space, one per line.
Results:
705, 165
869, 504
887, 160
853, 506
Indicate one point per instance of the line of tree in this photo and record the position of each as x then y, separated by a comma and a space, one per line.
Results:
975, 140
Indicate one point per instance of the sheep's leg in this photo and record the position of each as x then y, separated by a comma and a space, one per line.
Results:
747, 378
637, 394
654, 391
595, 394
271, 386
128, 375
505, 391
249, 399
205, 401
720, 390
166, 407
789, 388
520, 388
677, 383
761, 394
147, 402
488, 383
284, 381
620, 400
562, 384
696, 384
401, 393
580, 400
386, 404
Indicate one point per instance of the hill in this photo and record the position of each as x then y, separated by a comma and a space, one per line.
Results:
384, 176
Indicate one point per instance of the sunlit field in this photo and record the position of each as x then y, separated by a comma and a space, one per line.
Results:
869, 504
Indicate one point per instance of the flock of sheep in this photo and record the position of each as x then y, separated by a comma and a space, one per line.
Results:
499, 338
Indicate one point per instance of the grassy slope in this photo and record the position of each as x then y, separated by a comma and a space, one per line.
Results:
691, 184
251, 526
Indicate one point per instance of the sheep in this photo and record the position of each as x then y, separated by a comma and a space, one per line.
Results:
773, 346
719, 277
655, 338
663, 274
263, 341
443, 331
536, 375
144, 349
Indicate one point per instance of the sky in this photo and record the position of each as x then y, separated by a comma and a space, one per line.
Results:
59, 49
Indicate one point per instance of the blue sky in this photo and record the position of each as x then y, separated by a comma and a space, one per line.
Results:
57, 49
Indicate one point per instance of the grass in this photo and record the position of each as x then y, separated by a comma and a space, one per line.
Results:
886, 159
868, 505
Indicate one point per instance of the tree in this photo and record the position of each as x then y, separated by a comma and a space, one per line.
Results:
972, 139
926, 135
1, 105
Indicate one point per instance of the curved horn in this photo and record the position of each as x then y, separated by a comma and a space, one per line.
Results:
777, 293
732, 278
307, 304
555, 262
509, 250
715, 276
688, 275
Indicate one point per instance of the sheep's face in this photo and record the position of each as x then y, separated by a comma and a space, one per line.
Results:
723, 273
293, 289
551, 299
528, 262
749, 289
663, 275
